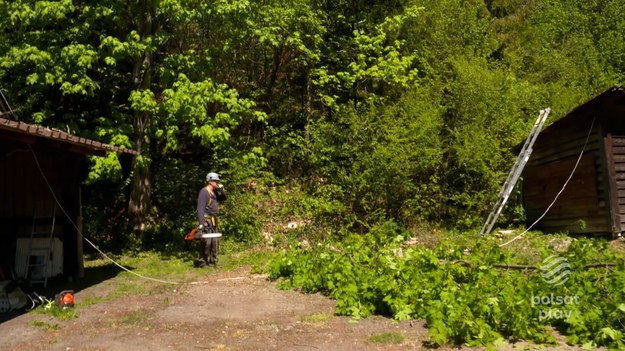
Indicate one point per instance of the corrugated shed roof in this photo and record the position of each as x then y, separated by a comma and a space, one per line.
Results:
87, 146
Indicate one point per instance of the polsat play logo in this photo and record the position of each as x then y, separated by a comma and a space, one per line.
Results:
555, 270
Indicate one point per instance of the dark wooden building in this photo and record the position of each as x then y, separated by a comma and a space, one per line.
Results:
41, 171
593, 200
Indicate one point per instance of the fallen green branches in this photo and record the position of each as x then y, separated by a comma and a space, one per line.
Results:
475, 295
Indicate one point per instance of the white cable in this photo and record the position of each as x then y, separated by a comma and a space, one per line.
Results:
81, 234
561, 190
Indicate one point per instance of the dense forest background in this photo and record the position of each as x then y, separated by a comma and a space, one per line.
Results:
334, 114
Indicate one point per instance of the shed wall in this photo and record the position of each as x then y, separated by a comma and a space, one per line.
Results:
616, 165
24, 193
583, 206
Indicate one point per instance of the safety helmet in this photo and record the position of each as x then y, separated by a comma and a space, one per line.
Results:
212, 176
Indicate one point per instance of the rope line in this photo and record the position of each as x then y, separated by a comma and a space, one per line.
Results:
80, 232
561, 190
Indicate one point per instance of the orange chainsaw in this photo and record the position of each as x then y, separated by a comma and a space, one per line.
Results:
193, 234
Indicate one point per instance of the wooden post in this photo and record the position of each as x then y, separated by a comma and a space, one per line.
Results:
79, 250
615, 219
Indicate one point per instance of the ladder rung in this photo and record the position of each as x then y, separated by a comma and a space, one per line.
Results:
43, 228
515, 172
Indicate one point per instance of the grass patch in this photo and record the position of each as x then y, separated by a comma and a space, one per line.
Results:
89, 301
144, 273
149, 272
315, 318
163, 268
45, 326
257, 257
387, 338
135, 318
62, 314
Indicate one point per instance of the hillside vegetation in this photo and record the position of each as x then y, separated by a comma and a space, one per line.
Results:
347, 124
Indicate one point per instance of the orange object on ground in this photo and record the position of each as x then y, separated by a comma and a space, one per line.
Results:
65, 299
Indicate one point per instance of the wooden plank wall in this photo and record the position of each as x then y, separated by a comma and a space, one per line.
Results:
582, 207
618, 158
23, 191
566, 141
577, 202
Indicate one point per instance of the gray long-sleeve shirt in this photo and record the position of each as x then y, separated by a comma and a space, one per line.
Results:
208, 203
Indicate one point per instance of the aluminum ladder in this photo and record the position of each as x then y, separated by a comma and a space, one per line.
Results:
40, 249
515, 172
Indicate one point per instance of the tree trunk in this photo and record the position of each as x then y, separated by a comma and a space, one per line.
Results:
139, 204
141, 186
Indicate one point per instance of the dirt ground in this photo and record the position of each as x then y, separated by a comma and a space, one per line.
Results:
224, 310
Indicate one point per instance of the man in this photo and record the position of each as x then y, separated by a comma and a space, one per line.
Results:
207, 205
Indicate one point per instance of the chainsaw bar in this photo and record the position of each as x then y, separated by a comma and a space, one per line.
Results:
208, 235
194, 235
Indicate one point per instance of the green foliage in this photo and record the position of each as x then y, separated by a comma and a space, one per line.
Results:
187, 101
241, 221
377, 57
339, 116
403, 110
107, 167
105, 221
459, 291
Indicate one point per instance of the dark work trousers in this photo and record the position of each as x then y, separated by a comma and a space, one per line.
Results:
209, 248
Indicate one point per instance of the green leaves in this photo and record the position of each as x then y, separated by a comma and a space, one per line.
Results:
379, 56
189, 102
143, 100
132, 47
463, 297
27, 13
376, 60
107, 167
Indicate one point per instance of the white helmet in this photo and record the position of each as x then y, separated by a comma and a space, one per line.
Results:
212, 176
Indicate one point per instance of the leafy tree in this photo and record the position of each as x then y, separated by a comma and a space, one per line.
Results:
405, 109
114, 57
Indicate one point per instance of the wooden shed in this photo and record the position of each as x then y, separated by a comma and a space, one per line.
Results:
41, 171
589, 144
